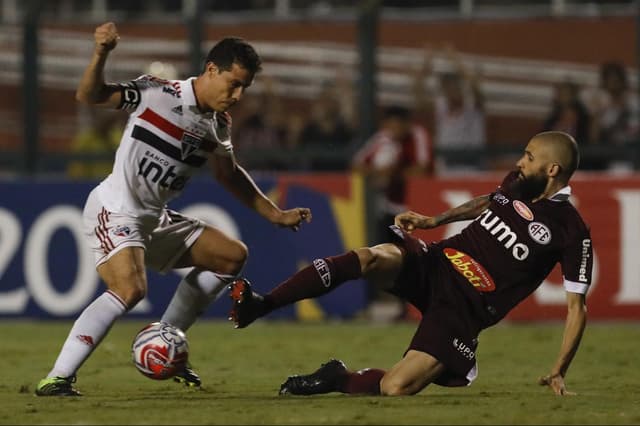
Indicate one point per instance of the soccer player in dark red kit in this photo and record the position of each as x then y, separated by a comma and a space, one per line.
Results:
462, 284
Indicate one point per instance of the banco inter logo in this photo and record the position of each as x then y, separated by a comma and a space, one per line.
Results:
163, 174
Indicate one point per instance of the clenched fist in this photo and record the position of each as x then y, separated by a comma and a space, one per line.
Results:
106, 36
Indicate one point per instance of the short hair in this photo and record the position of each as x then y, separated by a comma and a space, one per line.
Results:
565, 148
232, 50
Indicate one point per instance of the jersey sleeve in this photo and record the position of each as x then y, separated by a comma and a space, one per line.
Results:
136, 92
577, 262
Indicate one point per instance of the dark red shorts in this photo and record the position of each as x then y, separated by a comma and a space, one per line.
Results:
449, 329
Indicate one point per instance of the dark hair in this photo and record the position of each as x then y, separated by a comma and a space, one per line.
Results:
232, 50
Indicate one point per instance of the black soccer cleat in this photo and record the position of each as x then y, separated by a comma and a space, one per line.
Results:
248, 306
188, 377
325, 379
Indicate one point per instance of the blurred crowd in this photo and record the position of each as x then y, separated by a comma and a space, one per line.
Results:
445, 123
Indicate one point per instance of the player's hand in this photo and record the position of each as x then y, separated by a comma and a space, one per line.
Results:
106, 36
556, 383
409, 221
293, 218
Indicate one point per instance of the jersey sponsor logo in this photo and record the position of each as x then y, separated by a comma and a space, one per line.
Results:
323, 270
165, 177
463, 348
523, 210
171, 91
500, 199
471, 269
503, 233
177, 110
586, 254
540, 233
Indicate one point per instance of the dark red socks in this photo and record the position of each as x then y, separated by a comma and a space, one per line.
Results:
315, 280
366, 381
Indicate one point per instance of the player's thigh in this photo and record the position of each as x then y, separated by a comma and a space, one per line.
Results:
124, 274
215, 251
381, 264
411, 374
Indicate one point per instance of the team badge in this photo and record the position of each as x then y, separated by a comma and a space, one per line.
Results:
190, 143
121, 231
540, 233
522, 209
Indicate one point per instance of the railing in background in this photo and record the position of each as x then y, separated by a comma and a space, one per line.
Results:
99, 10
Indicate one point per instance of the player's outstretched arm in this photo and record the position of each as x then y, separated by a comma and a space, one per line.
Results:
238, 181
574, 327
409, 221
92, 88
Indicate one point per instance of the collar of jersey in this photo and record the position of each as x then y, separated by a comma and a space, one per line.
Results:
562, 195
189, 98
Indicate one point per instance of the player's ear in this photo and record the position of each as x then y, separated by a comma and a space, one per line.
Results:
555, 169
211, 68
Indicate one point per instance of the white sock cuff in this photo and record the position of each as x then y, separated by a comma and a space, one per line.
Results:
115, 300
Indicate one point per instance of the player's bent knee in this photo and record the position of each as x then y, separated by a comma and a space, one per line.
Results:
236, 258
383, 256
241, 253
391, 387
131, 296
367, 258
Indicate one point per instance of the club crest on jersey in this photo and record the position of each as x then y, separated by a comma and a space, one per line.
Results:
522, 209
121, 231
190, 143
540, 233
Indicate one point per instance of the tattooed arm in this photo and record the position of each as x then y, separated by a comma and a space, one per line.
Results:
409, 221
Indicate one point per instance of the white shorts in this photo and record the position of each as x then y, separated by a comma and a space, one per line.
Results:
165, 239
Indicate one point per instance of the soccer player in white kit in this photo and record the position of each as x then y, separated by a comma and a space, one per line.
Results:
174, 128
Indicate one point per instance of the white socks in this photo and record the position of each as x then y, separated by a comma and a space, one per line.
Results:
87, 332
194, 293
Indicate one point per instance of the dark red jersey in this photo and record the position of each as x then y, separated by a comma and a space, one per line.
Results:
506, 253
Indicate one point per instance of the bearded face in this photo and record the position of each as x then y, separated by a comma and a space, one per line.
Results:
527, 188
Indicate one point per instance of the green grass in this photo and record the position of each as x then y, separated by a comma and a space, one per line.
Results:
242, 371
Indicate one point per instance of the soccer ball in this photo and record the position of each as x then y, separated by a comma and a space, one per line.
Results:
160, 351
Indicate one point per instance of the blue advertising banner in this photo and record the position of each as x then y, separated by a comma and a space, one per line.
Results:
47, 272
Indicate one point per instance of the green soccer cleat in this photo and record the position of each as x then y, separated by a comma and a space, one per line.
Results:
188, 377
57, 386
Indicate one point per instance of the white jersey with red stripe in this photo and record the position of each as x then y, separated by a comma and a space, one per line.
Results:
166, 140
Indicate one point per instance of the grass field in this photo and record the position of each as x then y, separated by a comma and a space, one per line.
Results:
242, 371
